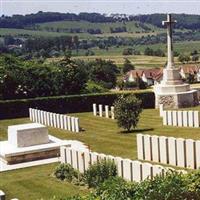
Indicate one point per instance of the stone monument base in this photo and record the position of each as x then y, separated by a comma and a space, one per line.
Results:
176, 100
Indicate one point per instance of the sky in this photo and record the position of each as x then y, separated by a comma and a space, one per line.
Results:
10, 7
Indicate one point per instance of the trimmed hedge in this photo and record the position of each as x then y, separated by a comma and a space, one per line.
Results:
67, 104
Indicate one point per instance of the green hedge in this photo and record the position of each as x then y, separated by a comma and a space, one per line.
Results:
66, 104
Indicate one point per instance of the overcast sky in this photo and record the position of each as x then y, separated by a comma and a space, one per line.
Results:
9, 7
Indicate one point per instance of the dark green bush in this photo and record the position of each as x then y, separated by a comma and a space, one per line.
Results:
115, 188
67, 104
66, 172
99, 172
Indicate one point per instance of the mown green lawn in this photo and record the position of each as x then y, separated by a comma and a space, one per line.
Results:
101, 134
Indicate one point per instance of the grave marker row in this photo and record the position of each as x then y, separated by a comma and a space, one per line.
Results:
128, 169
104, 112
181, 118
169, 150
55, 120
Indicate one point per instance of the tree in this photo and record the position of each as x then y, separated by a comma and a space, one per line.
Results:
183, 58
127, 66
127, 111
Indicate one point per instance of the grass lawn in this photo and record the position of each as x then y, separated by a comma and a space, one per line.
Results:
101, 134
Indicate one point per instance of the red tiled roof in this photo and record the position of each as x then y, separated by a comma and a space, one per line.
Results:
190, 69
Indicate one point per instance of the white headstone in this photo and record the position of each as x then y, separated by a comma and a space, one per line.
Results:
69, 156
155, 148
62, 121
33, 115
94, 157
74, 159
30, 114
165, 118
172, 151
63, 154
191, 118
36, 115
42, 117
174, 118
72, 124
81, 162
100, 110
185, 118
2, 195
45, 117
197, 151
69, 123
76, 124
180, 118
163, 149
119, 163
158, 170
94, 109
39, 116
54, 121
140, 147
190, 153
87, 159
147, 147
137, 171
58, 120
161, 109
112, 112
65, 122
127, 169
169, 117
147, 171
107, 111
196, 119
181, 162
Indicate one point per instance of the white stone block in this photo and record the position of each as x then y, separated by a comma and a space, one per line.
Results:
72, 124
127, 166
100, 110
140, 146
2, 195
147, 148
119, 163
77, 129
190, 153
161, 109
69, 156
30, 114
48, 118
87, 159
42, 117
185, 118
112, 112
147, 171
25, 135
191, 118
33, 115
165, 118
137, 171
155, 148
94, 157
102, 156
69, 123
81, 166
172, 151
169, 117
107, 111
45, 118
174, 118
196, 119
63, 155
62, 121
39, 116
74, 159
65, 123
197, 152
163, 149
58, 120
54, 121
180, 118
36, 115
94, 109
158, 170
181, 152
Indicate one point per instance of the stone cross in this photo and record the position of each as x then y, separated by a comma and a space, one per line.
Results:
169, 23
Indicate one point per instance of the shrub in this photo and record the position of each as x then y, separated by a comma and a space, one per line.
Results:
67, 104
115, 188
66, 172
127, 111
99, 172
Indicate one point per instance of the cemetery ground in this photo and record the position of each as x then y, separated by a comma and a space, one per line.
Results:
101, 134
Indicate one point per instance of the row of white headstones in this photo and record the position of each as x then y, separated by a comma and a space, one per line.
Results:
180, 118
108, 112
55, 120
169, 150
